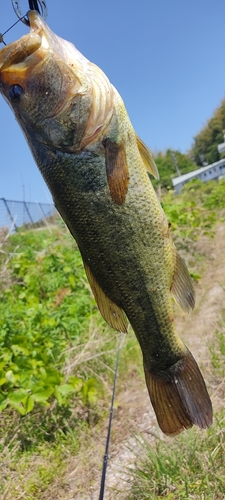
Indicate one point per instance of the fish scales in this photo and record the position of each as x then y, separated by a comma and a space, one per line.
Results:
96, 167
137, 273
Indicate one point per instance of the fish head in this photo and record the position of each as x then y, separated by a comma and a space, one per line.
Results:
51, 88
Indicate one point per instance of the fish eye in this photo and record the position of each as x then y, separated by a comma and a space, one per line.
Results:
15, 91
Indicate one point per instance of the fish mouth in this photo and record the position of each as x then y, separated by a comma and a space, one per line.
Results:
28, 59
28, 50
28, 55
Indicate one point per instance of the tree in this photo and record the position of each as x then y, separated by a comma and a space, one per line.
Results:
167, 169
205, 144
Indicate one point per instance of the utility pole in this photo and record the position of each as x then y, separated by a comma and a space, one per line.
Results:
221, 147
175, 163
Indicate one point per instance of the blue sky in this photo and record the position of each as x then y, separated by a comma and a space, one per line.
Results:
166, 58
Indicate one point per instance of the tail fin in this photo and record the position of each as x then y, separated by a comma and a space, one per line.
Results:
179, 396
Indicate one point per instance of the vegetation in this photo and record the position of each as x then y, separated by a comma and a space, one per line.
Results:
48, 322
166, 163
57, 360
48, 309
205, 144
204, 151
193, 465
217, 351
190, 467
196, 211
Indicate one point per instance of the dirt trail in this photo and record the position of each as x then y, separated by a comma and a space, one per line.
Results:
135, 414
198, 327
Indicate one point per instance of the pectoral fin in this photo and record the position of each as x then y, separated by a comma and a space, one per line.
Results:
116, 170
182, 288
147, 158
112, 314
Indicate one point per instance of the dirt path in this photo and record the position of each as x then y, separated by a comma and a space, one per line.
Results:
135, 414
198, 327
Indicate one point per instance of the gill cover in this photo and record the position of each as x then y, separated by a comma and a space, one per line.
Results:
50, 100
66, 99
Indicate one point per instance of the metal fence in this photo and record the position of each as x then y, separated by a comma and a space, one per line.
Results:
14, 214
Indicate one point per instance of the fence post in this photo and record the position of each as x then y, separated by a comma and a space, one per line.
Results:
32, 216
42, 211
25, 205
10, 215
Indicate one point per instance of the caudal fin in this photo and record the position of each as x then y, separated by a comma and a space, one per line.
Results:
179, 396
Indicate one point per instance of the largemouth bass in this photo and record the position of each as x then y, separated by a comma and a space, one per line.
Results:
96, 167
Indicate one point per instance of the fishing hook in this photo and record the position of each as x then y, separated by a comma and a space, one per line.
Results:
38, 5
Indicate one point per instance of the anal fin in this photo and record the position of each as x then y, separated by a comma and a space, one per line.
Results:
182, 288
179, 396
112, 314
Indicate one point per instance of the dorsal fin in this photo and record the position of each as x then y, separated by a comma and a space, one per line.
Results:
116, 170
147, 158
182, 288
113, 315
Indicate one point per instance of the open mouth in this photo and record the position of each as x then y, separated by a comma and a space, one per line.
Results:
19, 51
38, 27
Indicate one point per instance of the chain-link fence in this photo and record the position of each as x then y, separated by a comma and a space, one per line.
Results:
14, 214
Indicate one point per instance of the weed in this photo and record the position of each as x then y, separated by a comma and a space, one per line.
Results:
217, 351
190, 466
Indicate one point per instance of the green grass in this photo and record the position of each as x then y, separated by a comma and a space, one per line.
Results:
31, 475
195, 211
191, 466
217, 350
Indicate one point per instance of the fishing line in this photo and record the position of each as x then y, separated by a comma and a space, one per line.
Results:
106, 455
34, 5
2, 34
38, 5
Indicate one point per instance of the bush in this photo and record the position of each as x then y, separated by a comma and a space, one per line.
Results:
44, 308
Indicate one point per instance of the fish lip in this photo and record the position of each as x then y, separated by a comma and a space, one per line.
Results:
37, 43
40, 28
36, 23
35, 20
19, 51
